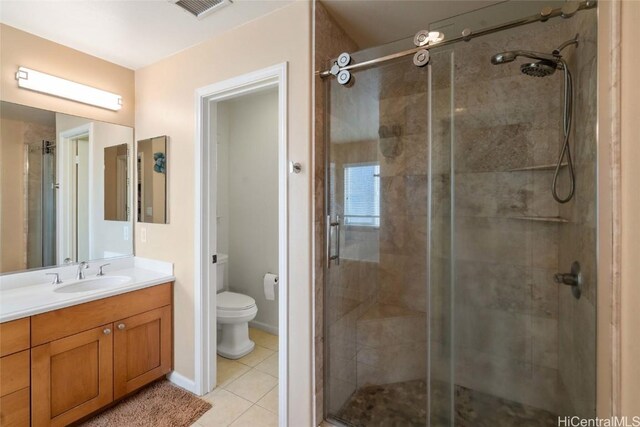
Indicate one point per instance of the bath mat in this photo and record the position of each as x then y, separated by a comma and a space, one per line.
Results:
160, 405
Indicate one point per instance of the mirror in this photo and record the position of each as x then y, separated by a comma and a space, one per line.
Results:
59, 202
152, 180
116, 176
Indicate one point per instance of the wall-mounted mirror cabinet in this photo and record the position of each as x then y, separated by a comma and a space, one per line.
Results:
64, 189
151, 158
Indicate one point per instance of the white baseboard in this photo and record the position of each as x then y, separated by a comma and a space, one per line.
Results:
182, 381
264, 327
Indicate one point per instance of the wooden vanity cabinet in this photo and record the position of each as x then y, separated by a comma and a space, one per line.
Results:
72, 377
141, 350
84, 357
15, 340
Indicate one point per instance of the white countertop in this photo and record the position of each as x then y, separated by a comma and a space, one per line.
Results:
21, 297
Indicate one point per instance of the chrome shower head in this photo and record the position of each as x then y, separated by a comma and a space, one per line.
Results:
539, 69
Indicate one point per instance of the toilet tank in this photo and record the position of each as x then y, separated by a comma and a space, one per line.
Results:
221, 270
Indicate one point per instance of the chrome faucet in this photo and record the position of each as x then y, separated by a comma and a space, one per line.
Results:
100, 272
56, 279
81, 266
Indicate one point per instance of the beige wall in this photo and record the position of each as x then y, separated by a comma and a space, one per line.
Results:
165, 104
20, 185
12, 244
630, 153
18, 48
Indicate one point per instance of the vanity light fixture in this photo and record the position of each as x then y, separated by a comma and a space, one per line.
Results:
56, 86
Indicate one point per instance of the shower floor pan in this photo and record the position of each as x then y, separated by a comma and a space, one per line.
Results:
405, 404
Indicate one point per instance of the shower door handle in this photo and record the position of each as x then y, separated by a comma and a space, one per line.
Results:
330, 226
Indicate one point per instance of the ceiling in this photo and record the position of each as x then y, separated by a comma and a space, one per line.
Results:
131, 33
372, 23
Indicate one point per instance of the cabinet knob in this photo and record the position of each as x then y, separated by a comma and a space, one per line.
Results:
121, 326
106, 331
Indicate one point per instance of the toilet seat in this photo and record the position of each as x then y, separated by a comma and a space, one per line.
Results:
231, 301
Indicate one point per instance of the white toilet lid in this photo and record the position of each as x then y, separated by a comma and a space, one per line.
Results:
233, 301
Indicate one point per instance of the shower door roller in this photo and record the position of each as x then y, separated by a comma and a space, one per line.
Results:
344, 59
421, 58
344, 77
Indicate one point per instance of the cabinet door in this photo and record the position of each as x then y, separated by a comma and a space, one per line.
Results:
14, 409
71, 377
141, 350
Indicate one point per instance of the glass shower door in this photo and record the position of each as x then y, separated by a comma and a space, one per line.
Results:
377, 304
441, 232
441, 306
523, 349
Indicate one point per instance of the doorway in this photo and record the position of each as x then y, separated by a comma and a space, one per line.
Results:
74, 209
227, 171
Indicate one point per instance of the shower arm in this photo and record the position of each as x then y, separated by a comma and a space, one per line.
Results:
574, 41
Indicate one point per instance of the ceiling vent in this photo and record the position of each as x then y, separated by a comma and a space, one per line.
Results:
202, 8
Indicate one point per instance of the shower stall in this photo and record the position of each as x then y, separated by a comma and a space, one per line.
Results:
40, 198
460, 223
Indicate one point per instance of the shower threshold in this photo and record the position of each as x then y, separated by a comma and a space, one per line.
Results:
405, 404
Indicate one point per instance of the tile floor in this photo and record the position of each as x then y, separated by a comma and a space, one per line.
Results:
247, 391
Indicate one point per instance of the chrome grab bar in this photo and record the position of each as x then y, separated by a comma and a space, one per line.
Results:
329, 227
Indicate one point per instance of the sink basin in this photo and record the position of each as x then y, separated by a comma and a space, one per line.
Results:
92, 284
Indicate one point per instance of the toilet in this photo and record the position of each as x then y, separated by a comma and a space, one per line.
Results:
234, 312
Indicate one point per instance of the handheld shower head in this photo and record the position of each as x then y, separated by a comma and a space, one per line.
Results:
503, 58
546, 63
510, 56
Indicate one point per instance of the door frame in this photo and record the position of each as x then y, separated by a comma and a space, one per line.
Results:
206, 99
64, 157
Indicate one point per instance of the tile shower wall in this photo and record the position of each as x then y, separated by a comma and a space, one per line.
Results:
392, 335
507, 315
